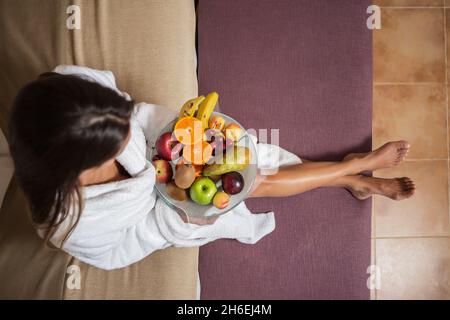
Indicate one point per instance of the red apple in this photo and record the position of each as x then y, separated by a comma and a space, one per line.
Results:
164, 145
177, 151
164, 171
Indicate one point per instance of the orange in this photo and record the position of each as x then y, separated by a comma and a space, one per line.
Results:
198, 167
188, 130
198, 153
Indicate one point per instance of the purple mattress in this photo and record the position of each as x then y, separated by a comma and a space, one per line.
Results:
304, 67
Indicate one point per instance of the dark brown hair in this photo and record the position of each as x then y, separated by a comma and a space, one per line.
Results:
61, 125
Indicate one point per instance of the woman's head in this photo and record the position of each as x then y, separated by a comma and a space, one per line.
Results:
60, 126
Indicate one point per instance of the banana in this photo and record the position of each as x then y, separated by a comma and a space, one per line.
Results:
188, 109
206, 108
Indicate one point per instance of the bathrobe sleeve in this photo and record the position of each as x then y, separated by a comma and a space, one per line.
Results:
152, 119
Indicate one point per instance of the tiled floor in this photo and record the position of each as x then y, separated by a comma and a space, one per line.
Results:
411, 239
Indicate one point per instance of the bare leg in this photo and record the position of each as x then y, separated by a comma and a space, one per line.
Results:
361, 187
291, 180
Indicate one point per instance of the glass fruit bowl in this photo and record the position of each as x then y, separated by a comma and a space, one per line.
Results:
193, 209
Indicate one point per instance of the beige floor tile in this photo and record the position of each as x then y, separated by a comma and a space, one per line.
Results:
416, 113
447, 25
6, 171
3, 144
409, 3
414, 268
426, 213
373, 294
410, 46
373, 233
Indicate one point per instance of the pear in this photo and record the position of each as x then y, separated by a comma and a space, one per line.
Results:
234, 159
215, 178
185, 176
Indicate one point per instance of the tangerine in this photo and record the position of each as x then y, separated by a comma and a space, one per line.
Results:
198, 153
188, 130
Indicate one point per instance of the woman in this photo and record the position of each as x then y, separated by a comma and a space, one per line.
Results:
79, 149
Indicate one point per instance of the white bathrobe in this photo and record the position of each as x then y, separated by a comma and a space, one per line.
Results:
123, 222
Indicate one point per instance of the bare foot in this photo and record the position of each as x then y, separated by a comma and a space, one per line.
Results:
387, 156
395, 188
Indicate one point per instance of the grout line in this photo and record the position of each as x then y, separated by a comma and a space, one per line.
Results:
447, 100
446, 73
410, 237
417, 160
373, 218
412, 7
381, 83
375, 262
374, 225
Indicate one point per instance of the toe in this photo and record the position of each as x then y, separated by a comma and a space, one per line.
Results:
404, 144
403, 152
407, 180
410, 186
406, 183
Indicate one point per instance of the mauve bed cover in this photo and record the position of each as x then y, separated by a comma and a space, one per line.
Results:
304, 67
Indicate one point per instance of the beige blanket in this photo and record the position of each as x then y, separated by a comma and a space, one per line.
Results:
150, 47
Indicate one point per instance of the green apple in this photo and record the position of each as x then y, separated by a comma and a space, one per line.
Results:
202, 191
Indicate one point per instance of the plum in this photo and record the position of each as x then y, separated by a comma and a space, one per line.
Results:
232, 182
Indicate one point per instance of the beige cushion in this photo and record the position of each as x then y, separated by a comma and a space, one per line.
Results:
150, 47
